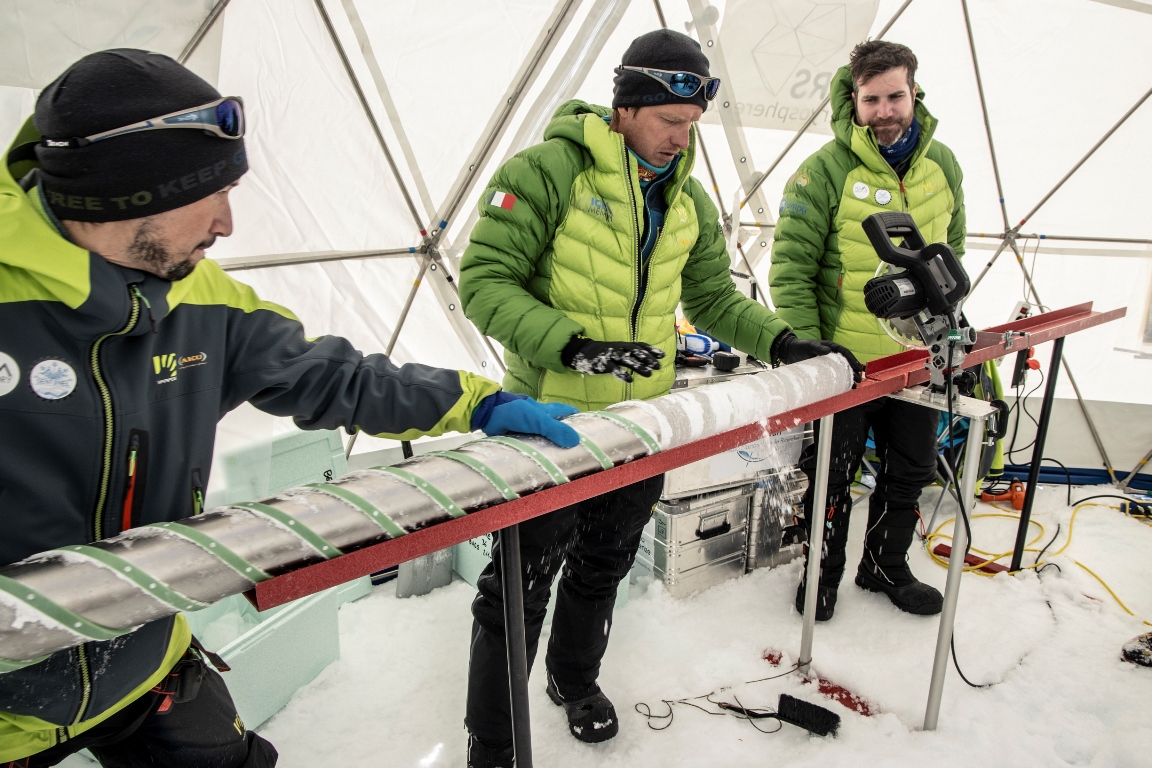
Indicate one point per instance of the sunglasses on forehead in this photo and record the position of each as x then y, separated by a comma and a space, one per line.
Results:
682, 84
223, 117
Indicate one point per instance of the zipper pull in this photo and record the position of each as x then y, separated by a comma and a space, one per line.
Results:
147, 305
130, 493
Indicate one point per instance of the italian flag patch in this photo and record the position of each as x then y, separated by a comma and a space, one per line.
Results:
502, 200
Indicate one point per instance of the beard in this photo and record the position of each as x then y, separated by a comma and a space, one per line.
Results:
888, 132
155, 253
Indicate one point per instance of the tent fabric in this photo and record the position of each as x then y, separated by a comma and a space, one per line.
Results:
1056, 75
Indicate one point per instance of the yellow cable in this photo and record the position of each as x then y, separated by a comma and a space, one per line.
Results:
937, 534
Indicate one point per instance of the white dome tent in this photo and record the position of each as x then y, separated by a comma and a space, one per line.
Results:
374, 126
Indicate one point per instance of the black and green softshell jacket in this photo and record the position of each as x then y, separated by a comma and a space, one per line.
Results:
99, 361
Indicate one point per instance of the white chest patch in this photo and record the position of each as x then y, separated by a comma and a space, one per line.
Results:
52, 379
9, 374
883, 196
861, 190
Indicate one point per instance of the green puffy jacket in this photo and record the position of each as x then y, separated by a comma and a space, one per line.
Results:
557, 254
821, 257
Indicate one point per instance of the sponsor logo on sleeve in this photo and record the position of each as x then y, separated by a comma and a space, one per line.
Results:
168, 366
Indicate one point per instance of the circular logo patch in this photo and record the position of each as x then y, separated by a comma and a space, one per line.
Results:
9, 374
52, 379
883, 196
861, 190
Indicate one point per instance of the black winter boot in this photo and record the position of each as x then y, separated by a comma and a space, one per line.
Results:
481, 755
591, 716
831, 564
884, 567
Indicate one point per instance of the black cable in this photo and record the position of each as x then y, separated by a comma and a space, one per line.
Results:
1045, 549
952, 644
1067, 475
1022, 402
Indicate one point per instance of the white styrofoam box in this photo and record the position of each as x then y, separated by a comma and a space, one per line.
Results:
737, 466
272, 654
471, 557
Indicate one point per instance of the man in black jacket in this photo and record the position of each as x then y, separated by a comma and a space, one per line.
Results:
121, 349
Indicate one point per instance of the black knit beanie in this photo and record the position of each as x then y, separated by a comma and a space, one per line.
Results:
662, 49
137, 174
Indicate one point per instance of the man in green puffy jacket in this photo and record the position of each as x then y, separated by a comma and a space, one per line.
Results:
883, 158
585, 245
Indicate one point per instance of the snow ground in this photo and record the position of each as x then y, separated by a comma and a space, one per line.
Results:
1051, 643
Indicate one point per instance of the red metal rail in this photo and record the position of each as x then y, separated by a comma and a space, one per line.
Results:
883, 377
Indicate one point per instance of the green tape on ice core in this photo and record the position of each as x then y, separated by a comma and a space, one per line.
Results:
149, 584
58, 613
7, 665
558, 477
473, 463
631, 426
595, 450
420, 484
213, 547
318, 542
375, 515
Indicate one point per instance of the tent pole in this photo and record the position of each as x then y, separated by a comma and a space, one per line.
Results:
808, 123
570, 71
424, 262
202, 31
429, 242
1084, 159
1071, 379
478, 159
371, 117
988, 266
385, 95
309, 257
984, 110
660, 14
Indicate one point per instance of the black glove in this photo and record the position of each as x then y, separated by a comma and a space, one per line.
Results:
787, 348
619, 358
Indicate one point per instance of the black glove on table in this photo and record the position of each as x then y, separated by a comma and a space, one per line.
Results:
788, 348
619, 358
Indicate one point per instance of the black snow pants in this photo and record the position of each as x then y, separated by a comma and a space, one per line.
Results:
188, 721
905, 436
596, 540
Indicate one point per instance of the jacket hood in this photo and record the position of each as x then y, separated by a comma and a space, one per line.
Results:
29, 242
844, 120
568, 121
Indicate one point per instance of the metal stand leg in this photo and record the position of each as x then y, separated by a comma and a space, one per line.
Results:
517, 646
1037, 453
815, 541
968, 480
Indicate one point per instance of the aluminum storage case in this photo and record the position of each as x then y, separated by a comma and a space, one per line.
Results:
698, 579
696, 543
702, 517
774, 505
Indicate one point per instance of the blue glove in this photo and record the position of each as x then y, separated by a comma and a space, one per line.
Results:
507, 412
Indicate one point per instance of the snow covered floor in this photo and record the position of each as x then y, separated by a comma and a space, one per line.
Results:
1051, 643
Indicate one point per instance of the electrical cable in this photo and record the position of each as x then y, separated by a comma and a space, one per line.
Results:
738, 709
1039, 565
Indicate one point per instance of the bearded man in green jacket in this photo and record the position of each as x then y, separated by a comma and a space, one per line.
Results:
883, 158
585, 245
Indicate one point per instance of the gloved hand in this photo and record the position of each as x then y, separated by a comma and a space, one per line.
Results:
619, 358
507, 412
787, 348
